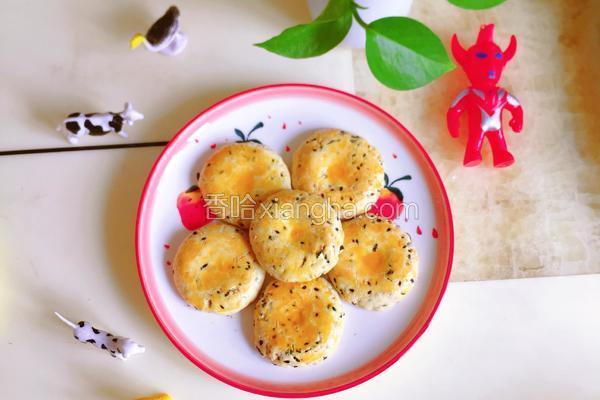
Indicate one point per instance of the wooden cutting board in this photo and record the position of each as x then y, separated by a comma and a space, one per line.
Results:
541, 216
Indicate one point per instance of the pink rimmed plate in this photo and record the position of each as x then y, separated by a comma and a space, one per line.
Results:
282, 116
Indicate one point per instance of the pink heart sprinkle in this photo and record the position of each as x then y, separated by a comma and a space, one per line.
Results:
434, 233
213, 146
419, 231
287, 149
394, 156
167, 246
284, 126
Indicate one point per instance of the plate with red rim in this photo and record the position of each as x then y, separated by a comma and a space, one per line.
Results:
281, 117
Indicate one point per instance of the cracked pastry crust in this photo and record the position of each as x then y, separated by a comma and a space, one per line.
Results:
378, 266
296, 236
239, 170
215, 270
342, 166
299, 323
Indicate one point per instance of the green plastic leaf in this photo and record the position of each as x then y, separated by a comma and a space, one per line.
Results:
404, 54
315, 38
476, 4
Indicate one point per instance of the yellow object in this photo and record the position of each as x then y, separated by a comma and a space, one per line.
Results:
136, 40
162, 396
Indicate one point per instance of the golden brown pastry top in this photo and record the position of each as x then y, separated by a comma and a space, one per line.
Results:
342, 166
378, 264
296, 236
239, 176
215, 270
298, 323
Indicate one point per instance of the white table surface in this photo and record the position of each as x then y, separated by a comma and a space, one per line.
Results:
65, 56
66, 244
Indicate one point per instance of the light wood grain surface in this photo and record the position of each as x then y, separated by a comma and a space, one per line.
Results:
541, 216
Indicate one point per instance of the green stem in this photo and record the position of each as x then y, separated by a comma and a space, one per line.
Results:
357, 17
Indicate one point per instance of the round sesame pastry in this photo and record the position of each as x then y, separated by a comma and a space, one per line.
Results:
378, 265
238, 177
296, 236
298, 323
215, 271
343, 166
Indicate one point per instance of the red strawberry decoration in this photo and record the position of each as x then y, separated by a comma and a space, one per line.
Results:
390, 204
192, 209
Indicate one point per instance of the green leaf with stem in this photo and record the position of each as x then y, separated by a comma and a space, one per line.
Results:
402, 53
317, 37
476, 4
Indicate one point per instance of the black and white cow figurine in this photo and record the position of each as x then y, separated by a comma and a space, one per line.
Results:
96, 124
118, 346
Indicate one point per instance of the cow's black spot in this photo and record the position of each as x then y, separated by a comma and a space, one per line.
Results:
95, 130
74, 115
81, 324
116, 123
96, 331
91, 341
72, 127
162, 28
115, 340
76, 337
104, 346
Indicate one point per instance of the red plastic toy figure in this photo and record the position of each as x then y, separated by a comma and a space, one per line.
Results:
484, 101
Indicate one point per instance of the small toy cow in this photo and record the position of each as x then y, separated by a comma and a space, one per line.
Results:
484, 101
118, 346
79, 124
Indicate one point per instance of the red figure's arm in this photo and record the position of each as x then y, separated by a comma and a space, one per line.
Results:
456, 109
514, 107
